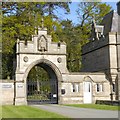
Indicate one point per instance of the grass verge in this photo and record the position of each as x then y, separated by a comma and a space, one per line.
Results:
94, 106
27, 112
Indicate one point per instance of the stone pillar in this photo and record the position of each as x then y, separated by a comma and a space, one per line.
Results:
118, 47
20, 90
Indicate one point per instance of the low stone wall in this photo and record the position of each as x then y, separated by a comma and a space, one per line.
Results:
7, 88
108, 102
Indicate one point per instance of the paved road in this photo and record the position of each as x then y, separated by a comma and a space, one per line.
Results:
73, 112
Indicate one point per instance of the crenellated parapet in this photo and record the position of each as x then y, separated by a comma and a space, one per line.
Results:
41, 43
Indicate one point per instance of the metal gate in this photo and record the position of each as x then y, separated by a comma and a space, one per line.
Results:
42, 92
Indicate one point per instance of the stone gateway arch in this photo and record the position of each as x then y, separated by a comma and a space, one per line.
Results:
98, 79
69, 87
41, 50
53, 92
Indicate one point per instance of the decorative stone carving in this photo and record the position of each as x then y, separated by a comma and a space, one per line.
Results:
42, 43
59, 59
25, 59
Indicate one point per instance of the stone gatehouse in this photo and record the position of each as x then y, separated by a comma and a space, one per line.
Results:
98, 79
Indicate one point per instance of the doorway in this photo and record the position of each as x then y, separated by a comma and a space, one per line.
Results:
87, 92
42, 85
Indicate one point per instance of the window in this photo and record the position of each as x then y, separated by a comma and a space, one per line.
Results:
75, 87
89, 88
99, 87
59, 44
62, 91
113, 87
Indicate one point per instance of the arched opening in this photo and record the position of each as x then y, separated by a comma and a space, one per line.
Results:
42, 85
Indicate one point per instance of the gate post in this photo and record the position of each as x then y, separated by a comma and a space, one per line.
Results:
59, 93
20, 93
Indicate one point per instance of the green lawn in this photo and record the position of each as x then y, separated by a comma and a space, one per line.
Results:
95, 106
27, 112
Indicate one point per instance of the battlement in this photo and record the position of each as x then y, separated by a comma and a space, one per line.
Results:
41, 44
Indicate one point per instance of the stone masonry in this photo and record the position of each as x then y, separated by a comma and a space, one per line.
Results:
103, 55
99, 78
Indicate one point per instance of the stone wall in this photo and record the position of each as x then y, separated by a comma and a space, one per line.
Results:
67, 95
118, 40
41, 50
77, 97
103, 55
100, 55
7, 87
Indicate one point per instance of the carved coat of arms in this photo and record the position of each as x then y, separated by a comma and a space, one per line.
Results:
42, 43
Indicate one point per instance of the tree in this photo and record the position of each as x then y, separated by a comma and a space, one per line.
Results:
20, 20
72, 36
77, 36
88, 10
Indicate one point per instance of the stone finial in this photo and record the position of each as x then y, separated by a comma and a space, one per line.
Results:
94, 30
97, 31
18, 40
42, 30
35, 31
42, 23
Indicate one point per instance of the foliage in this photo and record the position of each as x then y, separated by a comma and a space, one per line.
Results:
38, 72
92, 10
77, 36
39, 76
7, 65
72, 36
21, 19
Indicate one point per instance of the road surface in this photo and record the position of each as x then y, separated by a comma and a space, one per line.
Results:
74, 112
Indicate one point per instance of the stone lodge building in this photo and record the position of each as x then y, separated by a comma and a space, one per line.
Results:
99, 78
102, 54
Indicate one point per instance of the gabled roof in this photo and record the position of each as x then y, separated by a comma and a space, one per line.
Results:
110, 22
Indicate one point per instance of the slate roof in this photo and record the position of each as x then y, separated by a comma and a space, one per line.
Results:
110, 22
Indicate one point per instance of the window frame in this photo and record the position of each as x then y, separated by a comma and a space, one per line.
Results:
75, 87
99, 87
